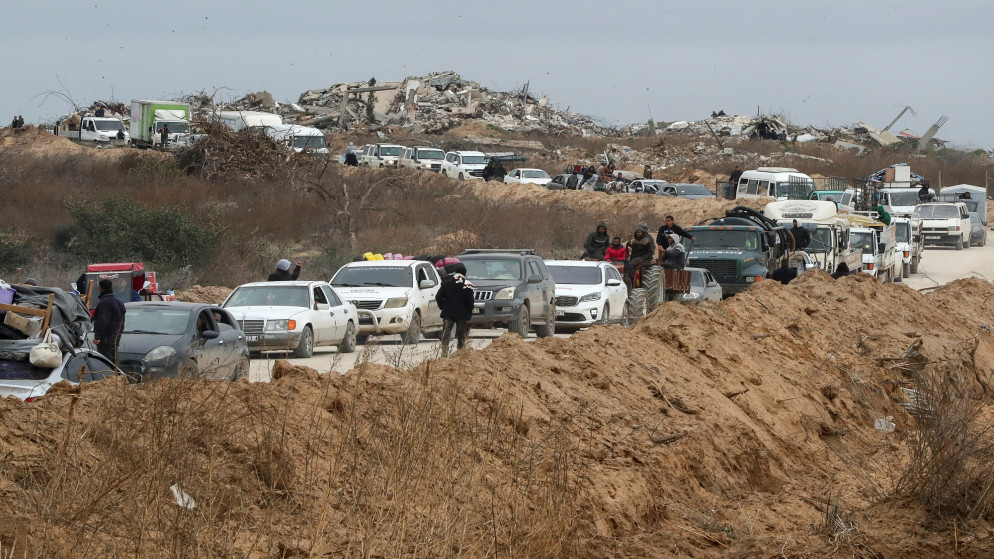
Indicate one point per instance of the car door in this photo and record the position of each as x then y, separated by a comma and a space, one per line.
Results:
431, 315
322, 317
545, 289
339, 314
209, 353
231, 339
617, 295
712, 290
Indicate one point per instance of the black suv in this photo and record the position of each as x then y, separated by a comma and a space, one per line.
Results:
513, 290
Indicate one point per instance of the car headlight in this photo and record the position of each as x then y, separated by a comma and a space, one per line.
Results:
281, 324
396, 303
590, 297
161, 353
506, 293
692, 295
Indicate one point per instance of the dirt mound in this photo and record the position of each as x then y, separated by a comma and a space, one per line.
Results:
31, 140
212, 294
737, 429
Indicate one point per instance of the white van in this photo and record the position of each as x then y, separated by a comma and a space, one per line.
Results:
775, 182
299, 138
241, 120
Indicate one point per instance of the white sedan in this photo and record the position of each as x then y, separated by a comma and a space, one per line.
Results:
293, 316
587, 293
703, 287
527, 176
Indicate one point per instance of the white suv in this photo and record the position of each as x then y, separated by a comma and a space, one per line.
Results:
400, 295
945, 223
587, 293
419, 157
380, 155
464, 165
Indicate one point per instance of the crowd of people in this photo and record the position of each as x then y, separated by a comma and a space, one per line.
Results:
666, 249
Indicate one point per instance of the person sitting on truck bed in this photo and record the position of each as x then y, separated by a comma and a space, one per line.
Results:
640, 251
674, 257
784, 273
801, 236
596, 244
615, 251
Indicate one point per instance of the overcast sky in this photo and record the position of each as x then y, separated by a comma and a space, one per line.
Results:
820, 63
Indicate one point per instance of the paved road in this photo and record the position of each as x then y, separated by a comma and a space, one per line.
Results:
939, 266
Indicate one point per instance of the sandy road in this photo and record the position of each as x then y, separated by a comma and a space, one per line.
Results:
939, 266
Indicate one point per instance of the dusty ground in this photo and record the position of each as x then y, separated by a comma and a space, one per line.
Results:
35, 141
739, 429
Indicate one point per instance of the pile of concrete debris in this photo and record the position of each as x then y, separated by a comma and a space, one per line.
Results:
432, 103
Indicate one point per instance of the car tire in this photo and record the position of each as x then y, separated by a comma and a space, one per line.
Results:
967, 243
349, 341
462, 177
906, 269
549, 327
522, 323
413, 333
914, 265
241, 369
188, 371
624, 320
605, 315
305, 348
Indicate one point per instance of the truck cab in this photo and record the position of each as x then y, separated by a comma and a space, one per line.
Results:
782, 183
149, 118
878, 244
828, 229
910, 243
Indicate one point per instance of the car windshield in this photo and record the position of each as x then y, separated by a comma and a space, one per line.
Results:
157, 320
274, 295
693, 189
473, 160
390, 151
575, 275
821, 239
862, 241
380, 276
492, 269
535, 174
174, 127
109, 124
723, 239
697, 279
309, 142
430, 154
909, 198
937, 211
903, 230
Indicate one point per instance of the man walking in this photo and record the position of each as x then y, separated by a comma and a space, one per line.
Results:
108, 321
455, 298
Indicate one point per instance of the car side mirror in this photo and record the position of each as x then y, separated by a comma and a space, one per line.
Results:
535, 279
426, 284
209, 334
613, 283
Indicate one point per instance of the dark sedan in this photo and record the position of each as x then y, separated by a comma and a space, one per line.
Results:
182, 340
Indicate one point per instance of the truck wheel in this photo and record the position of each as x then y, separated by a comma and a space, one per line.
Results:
895, 274
522, 323
652, 282
306, 346
549, 327
636, 304
914, 265
967, 243
413, 333
349, 341
959, 244
906, 269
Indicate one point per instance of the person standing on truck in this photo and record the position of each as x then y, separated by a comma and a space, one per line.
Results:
669, 227
615, 251
455, 298
596, 244
801, 237
164, 135
283, 273
108, 321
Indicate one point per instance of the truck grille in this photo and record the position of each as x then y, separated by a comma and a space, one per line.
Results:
564, 301
716, 267
436, 166
252, 326
934, 230
483, 295
368, 305
476, 173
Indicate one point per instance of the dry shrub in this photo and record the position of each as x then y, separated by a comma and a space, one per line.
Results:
226, 154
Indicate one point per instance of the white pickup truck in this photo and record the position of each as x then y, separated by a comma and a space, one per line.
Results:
381, 155
464, 165
399, 293
878, 243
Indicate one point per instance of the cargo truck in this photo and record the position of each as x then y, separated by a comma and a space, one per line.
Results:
829, 231
878, 244
149, 117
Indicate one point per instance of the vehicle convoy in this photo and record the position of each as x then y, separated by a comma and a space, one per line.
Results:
246, 120
945, 223
381, 155
149, 117
878, 243
293, 316
828, 229
910, 243
392, 296
422, 158
782, 183
299, 138
181, 340
740, 249
464, 165
514, 289
587, 293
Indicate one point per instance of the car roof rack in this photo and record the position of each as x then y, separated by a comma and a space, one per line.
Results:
499, 251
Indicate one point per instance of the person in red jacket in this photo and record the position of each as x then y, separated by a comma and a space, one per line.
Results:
616, 251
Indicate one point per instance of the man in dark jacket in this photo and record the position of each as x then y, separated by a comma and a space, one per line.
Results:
801, 236
596, 244
455, 299
282, 272
736, 174
108, 321
641, 250
670, 228
784, 273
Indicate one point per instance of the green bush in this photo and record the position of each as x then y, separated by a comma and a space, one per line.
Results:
122, 230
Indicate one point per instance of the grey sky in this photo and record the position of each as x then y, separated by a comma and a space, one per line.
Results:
821, 63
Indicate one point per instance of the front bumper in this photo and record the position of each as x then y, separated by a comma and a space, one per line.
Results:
142, 371
270, 341
495, 311
942, 238
385, 321
580, 315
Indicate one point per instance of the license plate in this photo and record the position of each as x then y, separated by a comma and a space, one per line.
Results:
252, 338
933, 236
560, 312
477, 310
